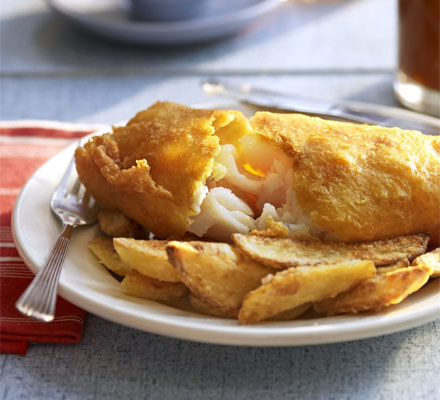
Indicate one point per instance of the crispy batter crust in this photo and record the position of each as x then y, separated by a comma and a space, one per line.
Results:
357, 182
360, 182
153, 168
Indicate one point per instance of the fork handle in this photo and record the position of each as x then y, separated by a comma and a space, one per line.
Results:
39, 299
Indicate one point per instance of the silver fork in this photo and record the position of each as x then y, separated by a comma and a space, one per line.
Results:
74, 206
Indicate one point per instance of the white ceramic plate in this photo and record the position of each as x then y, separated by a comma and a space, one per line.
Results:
88, 284
109, 19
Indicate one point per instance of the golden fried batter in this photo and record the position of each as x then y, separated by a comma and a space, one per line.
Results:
360, 182
352, 182
154, 169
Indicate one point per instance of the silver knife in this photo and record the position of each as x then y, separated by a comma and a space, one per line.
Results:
349, 111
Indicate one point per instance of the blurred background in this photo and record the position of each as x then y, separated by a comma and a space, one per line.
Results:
332, 49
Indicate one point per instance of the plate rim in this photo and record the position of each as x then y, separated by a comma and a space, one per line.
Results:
209, 22
253, 335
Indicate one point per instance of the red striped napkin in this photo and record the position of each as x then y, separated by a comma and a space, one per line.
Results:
24, 146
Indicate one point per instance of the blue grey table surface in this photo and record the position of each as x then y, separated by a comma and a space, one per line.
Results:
330, 49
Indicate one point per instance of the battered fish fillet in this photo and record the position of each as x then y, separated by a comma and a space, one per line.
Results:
360, 182
155, 168
211, 173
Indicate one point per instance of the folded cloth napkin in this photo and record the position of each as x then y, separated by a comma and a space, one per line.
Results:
24, 146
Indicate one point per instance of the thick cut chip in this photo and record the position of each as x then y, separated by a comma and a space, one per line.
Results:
392, 267
292, 314
432, 259
139, 285
204, 307
103, 249
282, 253
216, 272
296, 286
114, 223
377, 292
148, 257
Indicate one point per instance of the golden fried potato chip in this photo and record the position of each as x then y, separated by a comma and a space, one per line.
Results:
102, 248
148, 257
139, 285
292, 314
216, 272
204, 307
392, 267
296, 286
377, 292
282, 253
114, 223
432, 259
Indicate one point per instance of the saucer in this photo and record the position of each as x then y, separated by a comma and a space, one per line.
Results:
110, 19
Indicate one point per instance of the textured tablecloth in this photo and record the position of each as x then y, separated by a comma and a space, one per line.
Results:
24, 147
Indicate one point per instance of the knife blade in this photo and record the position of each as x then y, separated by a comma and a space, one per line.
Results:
346, 111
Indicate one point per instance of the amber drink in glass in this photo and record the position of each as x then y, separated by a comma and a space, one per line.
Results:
417, 83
